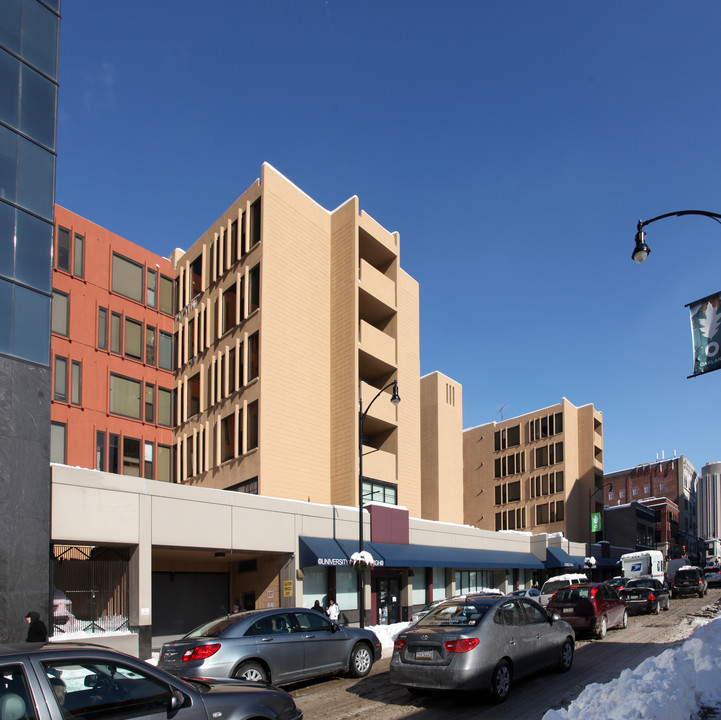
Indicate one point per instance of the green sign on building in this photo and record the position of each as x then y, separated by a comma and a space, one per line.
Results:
595, 522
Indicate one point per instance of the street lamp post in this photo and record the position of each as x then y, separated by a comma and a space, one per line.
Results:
591, 495
395, 399
642, 250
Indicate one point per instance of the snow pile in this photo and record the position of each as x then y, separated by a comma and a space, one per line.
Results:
387, 634
670, 686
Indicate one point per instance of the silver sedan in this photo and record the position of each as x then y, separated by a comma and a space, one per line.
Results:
480, 644
281, 646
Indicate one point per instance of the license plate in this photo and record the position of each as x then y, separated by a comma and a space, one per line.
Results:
424, 654
567, 610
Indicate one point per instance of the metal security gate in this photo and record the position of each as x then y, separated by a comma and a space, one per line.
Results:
91, 589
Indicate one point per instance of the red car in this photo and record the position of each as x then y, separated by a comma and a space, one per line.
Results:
591, 607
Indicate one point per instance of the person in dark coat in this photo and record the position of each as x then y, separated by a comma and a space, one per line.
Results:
37, 632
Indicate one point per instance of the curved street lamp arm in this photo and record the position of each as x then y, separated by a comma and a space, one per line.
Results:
395, 399
713, 216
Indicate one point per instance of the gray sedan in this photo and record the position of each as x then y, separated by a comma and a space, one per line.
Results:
281, 646
480, 644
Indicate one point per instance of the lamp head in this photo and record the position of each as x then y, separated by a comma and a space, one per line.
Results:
395, 397
642, 250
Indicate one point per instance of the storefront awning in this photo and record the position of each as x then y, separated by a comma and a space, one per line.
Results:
558, 558
337, 552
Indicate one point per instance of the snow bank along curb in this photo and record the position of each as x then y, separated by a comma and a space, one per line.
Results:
670, 686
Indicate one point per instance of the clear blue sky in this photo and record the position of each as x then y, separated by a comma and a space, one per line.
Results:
513, 145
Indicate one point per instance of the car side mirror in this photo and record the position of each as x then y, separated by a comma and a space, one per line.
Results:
555, 617
91, 680
334, 627
177, 700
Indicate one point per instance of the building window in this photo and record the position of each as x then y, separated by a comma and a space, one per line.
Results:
125, 398
254, 289
196, 275
149, 403
133, 339
131, 457
377, 491
151, 288
249, 487
79, 256
62, 257
253, 425
253, 356
621, 494
127, 278
229, 316
227, 438
61, 379
165, 463
635, 492
58, 442
255, 223
116, 333
76, 383
194, 394
542, 514
150, 345
148, 461
100, 450
60, 309
166, 295
113, 453
165, 350
103, 328
165, 407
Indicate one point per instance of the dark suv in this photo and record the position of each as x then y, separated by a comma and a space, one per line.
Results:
689, 581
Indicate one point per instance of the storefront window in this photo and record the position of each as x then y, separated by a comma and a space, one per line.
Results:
346, 585
418, 582
315, 586
439, 583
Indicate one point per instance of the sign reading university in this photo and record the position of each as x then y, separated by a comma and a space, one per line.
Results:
706, 333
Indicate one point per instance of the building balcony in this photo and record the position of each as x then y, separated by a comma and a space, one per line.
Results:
377, 293
379, 465
376, 344
381, 412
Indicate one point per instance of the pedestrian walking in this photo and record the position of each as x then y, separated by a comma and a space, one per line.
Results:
333, 610
37, 632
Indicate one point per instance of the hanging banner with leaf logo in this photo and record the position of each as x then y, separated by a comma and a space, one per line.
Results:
706, 332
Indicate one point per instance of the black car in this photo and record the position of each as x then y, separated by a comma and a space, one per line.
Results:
646, 594
688, 580
77, 681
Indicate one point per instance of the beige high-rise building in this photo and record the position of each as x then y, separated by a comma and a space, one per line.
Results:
289, 316
541, 472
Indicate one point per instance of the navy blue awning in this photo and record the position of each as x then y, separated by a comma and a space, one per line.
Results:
323, 551
558, 558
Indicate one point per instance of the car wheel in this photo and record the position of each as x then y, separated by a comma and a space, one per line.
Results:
624, 620
500, 682
602, 628
361, 660
667, 606
656, 607
701, 594
252, 671
566, 659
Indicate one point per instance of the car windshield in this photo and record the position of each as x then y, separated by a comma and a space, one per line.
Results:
571, 594
215, 627
454, 613
550, 587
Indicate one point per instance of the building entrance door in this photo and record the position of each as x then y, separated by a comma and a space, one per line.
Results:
389, 601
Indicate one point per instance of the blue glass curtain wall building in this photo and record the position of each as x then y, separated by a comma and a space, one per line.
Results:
28, 119
29, 32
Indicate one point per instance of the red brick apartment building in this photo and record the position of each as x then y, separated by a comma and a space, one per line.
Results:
111, 352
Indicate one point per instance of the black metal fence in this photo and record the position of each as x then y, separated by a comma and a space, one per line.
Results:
91, 589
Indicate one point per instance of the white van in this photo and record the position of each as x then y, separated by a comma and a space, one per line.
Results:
556, 583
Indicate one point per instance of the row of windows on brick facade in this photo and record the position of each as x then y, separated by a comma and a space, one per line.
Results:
119, 333
515, 519
225, 375
225, 250
226, 441
635, 492
128, 397
120, 454
515, 463
537, 486
218, 316
536, 429
129, 278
